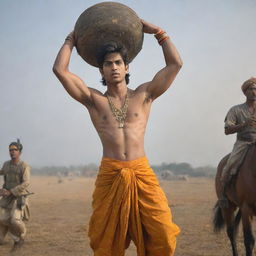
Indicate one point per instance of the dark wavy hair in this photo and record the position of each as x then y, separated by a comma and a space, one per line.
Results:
17, 144
112, 48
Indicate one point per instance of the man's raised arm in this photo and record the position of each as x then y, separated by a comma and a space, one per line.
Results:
164, 78
72, 83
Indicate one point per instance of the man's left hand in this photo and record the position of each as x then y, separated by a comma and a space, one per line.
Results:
150, 28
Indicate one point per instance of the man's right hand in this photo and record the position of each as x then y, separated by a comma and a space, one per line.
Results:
4, 192
149, 28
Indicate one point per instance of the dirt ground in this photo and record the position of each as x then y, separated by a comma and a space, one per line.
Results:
60, 214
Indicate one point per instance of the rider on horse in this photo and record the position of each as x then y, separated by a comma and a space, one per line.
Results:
240, 119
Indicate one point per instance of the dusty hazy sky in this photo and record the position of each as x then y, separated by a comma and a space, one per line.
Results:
216, 40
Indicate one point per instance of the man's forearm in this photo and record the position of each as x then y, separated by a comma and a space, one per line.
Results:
171, 54
234, 128
63, 58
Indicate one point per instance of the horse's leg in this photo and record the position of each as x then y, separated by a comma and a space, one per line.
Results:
247, 229
231, 224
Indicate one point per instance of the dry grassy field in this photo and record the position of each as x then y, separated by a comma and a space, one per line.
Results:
60, 214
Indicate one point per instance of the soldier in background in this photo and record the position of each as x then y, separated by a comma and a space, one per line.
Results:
13, 204
241, 119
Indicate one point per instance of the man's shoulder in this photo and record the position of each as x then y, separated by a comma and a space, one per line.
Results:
96, 91
238, 107
6, 163
5, 166
24, 164
141, 87
140, 91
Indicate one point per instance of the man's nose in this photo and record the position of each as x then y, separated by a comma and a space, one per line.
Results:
114, 66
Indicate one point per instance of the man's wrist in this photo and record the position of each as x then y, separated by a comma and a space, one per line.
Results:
69, 40
161, 36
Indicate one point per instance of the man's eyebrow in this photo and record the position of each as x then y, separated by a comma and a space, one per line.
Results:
113, 60
108, 61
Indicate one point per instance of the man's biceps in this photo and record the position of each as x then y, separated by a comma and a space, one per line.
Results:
153, 84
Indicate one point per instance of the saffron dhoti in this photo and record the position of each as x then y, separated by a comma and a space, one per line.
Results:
128, 204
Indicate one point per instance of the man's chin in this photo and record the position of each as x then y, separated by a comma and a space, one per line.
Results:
115, 81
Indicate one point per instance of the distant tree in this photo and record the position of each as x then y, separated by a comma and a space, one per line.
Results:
185, 169
91, 170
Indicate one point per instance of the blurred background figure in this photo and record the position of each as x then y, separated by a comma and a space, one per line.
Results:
13, 204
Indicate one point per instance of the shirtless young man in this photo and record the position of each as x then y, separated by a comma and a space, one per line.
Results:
128, 203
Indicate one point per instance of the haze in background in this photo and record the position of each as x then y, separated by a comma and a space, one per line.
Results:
216, 40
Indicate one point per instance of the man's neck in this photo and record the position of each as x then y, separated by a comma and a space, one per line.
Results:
15, 161
117, 90
251, 103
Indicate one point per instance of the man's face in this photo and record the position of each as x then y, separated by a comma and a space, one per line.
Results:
14, 152
114, 69
251, 92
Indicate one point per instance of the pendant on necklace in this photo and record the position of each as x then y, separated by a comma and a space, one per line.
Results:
121, 125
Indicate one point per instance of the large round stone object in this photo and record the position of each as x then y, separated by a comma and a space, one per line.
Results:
104, 23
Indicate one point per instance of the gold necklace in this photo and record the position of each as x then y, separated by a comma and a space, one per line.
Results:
119, 114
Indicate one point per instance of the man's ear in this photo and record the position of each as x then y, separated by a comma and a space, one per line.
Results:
101, 72
127, 69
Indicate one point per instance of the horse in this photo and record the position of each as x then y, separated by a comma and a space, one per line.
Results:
241, 195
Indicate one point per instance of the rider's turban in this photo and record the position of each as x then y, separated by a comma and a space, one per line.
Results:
248, 83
